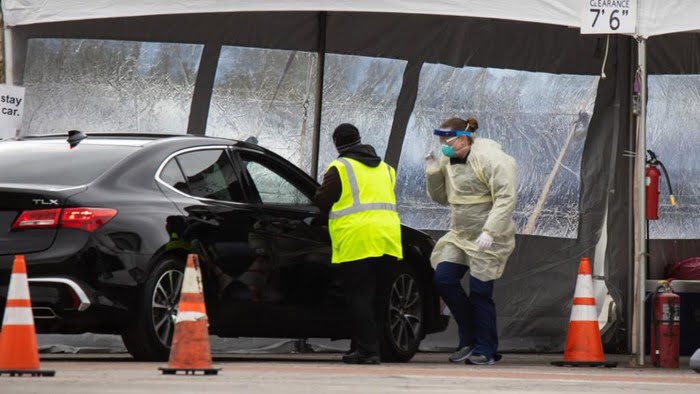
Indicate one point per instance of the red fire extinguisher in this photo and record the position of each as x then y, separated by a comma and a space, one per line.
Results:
653, 175
666, 327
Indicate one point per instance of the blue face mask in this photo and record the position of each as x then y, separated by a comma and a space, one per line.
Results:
448, 150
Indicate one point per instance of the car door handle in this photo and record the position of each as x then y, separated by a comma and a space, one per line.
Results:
313, 221
281, 223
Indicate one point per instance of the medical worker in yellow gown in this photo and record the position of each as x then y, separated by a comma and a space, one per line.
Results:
477, 180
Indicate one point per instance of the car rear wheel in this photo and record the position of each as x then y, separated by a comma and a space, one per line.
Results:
149, 335
402, 320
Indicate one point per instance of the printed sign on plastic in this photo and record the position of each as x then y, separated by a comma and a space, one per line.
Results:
11, 109
609, 17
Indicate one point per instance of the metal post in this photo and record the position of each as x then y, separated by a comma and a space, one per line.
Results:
2, 55
316, 139
640, 224
629, 305
9, 59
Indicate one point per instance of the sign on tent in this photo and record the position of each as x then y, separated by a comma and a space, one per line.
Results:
609, 17
11, 108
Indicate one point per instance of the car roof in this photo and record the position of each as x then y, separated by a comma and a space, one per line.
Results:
146, 140
129, 139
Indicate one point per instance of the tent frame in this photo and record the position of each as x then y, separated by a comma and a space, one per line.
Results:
202, 98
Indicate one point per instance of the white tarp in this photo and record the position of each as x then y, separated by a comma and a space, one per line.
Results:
658, 17
557, 12
655, 17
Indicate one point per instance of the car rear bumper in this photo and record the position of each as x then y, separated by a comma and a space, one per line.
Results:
63, 303
45, 286
67, 305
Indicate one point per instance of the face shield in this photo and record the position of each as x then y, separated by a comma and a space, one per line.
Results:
444, 140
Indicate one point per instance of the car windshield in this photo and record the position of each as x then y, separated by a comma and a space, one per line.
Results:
54, 163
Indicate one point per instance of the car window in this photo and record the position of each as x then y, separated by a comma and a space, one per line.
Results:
210, 174
272, 187
172, 175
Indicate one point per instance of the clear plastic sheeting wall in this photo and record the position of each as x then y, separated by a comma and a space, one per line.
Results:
108, 86
540, 119
673, 127
269, 94
362, 91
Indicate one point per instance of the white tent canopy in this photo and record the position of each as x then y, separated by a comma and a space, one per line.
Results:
23, 12
654, 17
669, 16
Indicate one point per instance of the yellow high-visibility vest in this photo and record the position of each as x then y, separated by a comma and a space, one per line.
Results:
363, 222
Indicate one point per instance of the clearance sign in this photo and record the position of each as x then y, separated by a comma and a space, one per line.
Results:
609, 17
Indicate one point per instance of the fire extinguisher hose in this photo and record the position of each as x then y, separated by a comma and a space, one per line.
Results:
668, 183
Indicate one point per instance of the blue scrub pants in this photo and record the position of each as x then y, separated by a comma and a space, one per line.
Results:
475, 313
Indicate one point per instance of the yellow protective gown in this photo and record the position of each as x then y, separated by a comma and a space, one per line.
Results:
481, 194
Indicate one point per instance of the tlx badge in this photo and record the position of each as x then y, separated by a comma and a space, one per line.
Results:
39, 201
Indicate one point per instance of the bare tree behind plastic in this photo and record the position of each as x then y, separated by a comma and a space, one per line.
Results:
269, 94
540, 119
108, 86
362, 91
673, 127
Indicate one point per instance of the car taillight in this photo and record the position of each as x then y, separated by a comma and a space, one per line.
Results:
87, 219
41, 218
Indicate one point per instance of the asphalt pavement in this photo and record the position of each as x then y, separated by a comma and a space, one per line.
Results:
324, 373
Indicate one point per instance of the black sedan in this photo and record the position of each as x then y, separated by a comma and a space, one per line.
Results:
106, 225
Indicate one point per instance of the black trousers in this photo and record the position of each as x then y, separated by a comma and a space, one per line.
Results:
360, 280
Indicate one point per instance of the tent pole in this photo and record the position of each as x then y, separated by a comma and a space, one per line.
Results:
640, 233
321, 64
2, 55
8, 56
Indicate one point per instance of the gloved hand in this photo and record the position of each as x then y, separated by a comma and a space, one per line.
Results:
430, 161
484, 241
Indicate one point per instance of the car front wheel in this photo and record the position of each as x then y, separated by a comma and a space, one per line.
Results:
150, 333
402, 320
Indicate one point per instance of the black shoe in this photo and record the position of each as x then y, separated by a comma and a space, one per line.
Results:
352, 349
361, 358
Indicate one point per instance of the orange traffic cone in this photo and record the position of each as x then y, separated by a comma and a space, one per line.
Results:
190, 351
583, 344
18, 350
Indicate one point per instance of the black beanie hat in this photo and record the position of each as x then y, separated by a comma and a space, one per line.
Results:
346, 136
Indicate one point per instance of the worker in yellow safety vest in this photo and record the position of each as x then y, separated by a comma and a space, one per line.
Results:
358, 194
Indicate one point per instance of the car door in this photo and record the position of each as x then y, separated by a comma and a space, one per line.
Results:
291, 226
216, 219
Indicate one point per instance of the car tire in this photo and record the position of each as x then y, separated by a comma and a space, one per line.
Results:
401, 313
149, 334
